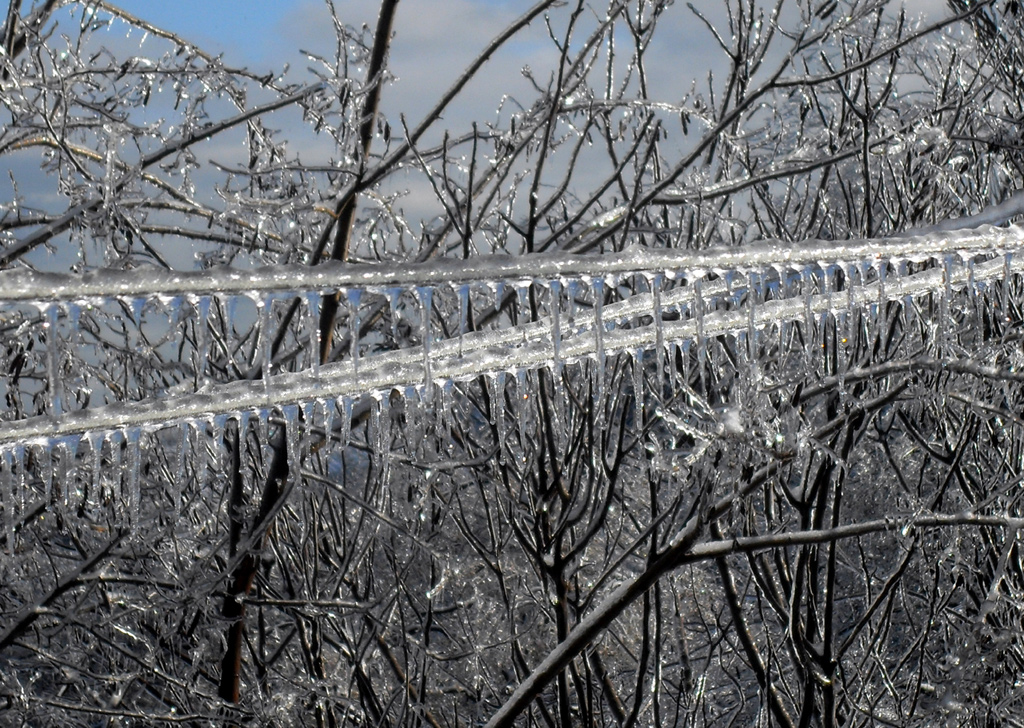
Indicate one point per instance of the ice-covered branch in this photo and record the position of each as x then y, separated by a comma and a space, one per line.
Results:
998, 214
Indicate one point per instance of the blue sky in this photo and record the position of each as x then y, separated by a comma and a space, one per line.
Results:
259, 31
265, 34
235, 27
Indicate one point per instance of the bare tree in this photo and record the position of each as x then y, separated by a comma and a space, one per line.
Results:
684, 406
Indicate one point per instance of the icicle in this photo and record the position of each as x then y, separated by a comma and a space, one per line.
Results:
445, 417
292, 441
53, 360
843, 355
118, 476
384, 434
202, 338
944, 303
44, 457
243, 430
61, 478
523, 313
20, 479
463, 313
684, 356
393, 296
828, 279
556, 325
176, 306
597, 287
73, 313
657, 319
557, 370
698, 315
850, 308
882, 267
266, 310
522, 410
1007, 273
638, 389
673, 373
307, 445
179, 469
807, 286
755, 295
499, 294
812, 342
263, 434
199, 427
496, 383
7, 493
972, 284
865, 267
907, 301
354, 295
95, 495
573, 290
133, 495
425, 294
558, 364
313, 310
329, 410
374, 436
345, 428
218, 432
414, 417
823, 350
784, 336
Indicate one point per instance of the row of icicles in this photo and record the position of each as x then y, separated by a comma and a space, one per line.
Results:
429, 339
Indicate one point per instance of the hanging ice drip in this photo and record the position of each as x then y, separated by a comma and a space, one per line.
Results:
7, 492
425, 296
354, 297
66, 488
312, 301
812, 343
463, 291
944, 323
655, 284
697, 312
496, 393
415, 417
201, 307
322, 445
523, 406
597, 291
754, 300
293, 440
344, 405
113, 496
178, 470
557, 363
132, 487
53, 374
265, 305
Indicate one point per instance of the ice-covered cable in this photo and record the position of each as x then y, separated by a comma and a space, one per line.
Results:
473, 354
24, 285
